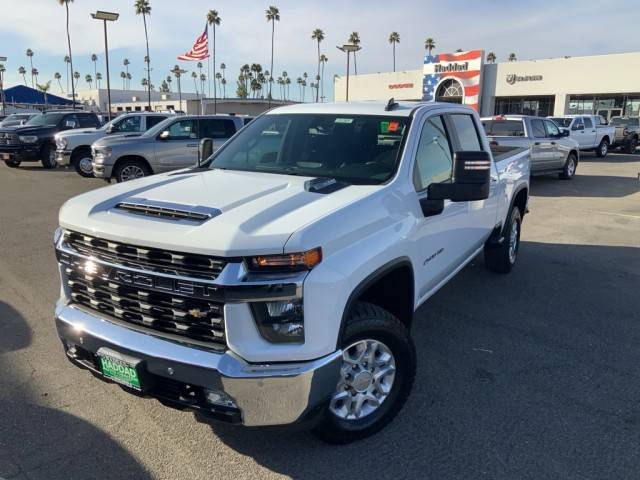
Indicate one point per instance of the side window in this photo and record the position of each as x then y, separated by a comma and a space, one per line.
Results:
434, 156
537, 126
552, 128
154, 120
216, 128
466, 131
182, 130
587, 123
87, 121
71, 121
128, 125
578, 124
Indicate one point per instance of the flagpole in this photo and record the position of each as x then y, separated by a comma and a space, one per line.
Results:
208, 63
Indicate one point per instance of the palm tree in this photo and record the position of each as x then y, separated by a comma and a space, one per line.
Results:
318, 35
429, 44
199, 66
35, 73
128, 80
57, 77
393, 39
73, 88
29, 54
44, 88
145, 83
203, 81
169, 80
354, 38
219, 80
164, 87
491, 57
98, 79
123, 76
67, 61
223, 67
304, 89
142, 7
88, 79
194, 75
224, 87
126, 64
287, 82
76, 75
213, 19
323, 60
23, 71
512, 57
178, 73
273, 16
299, 82
94, 59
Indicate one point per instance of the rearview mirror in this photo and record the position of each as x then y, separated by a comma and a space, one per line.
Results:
164, 135
205, 149
471, 179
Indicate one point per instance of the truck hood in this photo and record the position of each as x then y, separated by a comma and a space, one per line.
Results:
28, 130
121, 138
258, 212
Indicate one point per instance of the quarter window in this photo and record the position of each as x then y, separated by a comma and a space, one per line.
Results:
434, 156
467, 133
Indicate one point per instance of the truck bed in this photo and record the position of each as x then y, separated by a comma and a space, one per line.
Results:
502, 152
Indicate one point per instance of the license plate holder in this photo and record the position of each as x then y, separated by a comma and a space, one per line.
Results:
121, 368
6, 156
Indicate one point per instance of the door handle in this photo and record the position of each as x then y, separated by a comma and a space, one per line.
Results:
192, 144
553, 143
494, 179
536, 143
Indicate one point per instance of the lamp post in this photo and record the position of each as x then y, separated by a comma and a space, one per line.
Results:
106, 17
348, 48
2, 59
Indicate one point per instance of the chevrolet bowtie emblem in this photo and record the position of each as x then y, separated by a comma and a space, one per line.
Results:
197, 313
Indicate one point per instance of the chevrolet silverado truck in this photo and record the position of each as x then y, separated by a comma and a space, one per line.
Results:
276, 282
590, 131
627, 131
73, 147
170, 145
34, 141
551, 151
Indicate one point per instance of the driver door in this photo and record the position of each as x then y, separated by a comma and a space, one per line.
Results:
177, 146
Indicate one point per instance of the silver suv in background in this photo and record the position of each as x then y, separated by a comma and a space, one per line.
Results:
551, 150
626, 133
170, 145
73, 147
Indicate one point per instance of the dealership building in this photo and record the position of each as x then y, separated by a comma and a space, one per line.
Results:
608, 85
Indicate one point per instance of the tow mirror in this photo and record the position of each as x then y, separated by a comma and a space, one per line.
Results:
471, 179
205, 149
564, 132
70, 124
165, 135
110, 129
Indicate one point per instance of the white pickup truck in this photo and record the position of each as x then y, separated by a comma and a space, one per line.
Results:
73, 147
590, 131
277, 281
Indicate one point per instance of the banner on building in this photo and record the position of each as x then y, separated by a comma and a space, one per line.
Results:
453, 77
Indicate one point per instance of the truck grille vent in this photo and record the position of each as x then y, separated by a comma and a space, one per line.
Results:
151, 259
196, 213
8, 138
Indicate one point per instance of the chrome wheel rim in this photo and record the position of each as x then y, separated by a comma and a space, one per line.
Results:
571, 167
513, 242
366, 378
604, 148
131, 172
86, 165
52, 158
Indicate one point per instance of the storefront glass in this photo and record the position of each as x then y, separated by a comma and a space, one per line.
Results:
606, 105
537, 106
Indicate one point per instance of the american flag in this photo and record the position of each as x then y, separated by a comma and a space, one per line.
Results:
200, 49
469, 78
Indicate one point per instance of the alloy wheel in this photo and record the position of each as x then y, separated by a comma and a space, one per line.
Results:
131, 172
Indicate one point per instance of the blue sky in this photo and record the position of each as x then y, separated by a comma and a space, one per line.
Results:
538, 29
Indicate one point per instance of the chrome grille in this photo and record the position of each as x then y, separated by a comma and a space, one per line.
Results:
168, 314
150, 259
8, 139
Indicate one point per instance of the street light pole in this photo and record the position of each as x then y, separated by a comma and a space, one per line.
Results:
106, 17
2, 59
348, 48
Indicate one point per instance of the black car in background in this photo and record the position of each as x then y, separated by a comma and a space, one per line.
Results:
34, 141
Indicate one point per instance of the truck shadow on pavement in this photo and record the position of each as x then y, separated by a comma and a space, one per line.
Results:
528, 375
595, 186
39, 442
612, 158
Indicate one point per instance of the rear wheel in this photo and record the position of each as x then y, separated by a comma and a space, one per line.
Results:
603, 148
570, 166
130, 170
376, 376
48, 156
502, 258
631, 146
82, 162
12, 163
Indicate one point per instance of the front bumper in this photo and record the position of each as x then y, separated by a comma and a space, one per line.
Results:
63, 157
20, 153
260, 394
101, 169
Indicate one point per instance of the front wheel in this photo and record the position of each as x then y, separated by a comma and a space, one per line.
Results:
631, 146
376, 376
12, 163
130, 170
82, 163
570, 167
603, 148
48, 156
502, 258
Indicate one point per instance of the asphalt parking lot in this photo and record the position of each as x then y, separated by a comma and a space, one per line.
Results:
531, 375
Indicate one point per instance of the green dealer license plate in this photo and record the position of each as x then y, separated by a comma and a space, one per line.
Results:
120, 368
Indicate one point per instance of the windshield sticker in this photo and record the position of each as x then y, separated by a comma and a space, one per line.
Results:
389, 127
344, 120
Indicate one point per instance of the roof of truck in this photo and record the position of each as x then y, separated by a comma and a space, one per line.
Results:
400, 109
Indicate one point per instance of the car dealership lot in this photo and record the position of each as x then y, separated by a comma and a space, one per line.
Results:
531, 375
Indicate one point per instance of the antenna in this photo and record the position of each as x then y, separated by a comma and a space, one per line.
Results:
391, 104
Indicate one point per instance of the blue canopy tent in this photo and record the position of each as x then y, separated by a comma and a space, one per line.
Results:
23, 95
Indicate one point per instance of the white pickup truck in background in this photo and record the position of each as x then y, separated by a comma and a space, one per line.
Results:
590, 131
276, 282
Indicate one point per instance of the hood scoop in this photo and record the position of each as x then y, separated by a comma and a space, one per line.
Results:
166, 210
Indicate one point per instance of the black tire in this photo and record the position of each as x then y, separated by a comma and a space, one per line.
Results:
370, 322
79, 162
500, 258
570, 167
48, 156
603, 148
124, 166
12, 163
631, 145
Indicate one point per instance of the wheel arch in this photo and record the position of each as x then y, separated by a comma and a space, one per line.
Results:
397, 274
79, 149
124, 158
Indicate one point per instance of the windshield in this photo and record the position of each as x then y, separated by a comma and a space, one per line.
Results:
562, 122
361, 149
18, 116
45, 119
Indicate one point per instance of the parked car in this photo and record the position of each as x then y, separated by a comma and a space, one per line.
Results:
34, 141
551, 150
590, 131
170, 145
17, 119
626, 133
276, 282
74, 146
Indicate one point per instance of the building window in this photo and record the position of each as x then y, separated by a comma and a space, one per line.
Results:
536, 106
138, 109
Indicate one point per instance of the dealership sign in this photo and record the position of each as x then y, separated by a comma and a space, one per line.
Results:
453, 77
394, 86
512, 78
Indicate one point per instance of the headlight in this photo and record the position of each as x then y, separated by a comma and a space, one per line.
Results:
280, 321
28, 138
56, 235
62, 143
104, 152
289, 262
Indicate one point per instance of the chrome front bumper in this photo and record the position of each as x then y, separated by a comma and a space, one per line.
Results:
265, 394
63, 157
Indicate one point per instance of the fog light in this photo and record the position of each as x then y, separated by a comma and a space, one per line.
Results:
281, 321
219, 398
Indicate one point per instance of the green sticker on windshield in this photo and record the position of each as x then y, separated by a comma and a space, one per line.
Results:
344, 120
389, 127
